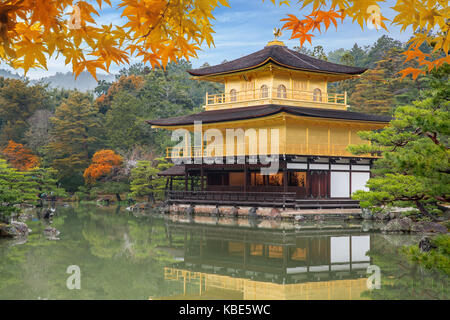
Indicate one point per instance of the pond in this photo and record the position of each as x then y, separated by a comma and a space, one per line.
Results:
122, 255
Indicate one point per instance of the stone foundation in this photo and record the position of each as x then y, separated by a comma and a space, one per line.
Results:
267, 212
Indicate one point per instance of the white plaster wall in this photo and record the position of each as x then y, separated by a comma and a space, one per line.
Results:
340, 184
359, 180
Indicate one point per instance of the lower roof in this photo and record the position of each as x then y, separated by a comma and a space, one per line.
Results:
244, 113
177, 170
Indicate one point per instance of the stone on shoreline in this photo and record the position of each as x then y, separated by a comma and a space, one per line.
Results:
405, 224
366, 214
15, 229
428, 227
398, 225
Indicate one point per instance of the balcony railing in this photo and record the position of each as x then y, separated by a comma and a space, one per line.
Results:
336, 150
269, 93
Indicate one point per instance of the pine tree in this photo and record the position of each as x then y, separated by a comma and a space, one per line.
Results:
145, 181
74, 138
15, 188
18, 102
414, 168
372, 94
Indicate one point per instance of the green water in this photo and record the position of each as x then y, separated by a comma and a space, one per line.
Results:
126, 256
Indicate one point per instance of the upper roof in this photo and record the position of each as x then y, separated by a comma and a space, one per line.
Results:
234, 114
282, 56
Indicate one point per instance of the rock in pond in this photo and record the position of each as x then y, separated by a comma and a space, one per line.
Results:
275, 213
381, 216
139, 206
253, 212
428, 227
366, 214
51, 233
398, 225
426, 245
15, 229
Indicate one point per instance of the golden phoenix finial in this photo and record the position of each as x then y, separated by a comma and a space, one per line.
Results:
277, 33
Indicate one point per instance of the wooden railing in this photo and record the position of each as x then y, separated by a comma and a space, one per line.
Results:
338, 150
275, 93
233, 197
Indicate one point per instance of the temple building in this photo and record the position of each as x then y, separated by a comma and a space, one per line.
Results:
276, 111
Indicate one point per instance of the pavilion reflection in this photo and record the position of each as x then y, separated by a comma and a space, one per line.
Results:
229, 262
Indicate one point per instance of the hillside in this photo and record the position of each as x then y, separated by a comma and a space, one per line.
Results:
84, 82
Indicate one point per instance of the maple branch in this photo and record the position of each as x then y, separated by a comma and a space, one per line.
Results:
159, 21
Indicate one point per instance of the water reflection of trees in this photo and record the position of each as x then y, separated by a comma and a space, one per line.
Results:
123, 257
401, 279
119, 256
115, 234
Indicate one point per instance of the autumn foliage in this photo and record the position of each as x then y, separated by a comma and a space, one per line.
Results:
103, 163
428, 18
20, 157
159, 31
153, 31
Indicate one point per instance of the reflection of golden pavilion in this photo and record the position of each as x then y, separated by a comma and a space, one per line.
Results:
249, 263
219, 287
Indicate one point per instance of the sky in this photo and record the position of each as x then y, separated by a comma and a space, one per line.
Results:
247, 26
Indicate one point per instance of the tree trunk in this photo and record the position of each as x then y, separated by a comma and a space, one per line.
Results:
424, 211
118, 197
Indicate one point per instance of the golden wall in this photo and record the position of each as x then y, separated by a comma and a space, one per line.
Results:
296, 136
293, 81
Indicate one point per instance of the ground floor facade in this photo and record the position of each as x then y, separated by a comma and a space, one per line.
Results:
298, 180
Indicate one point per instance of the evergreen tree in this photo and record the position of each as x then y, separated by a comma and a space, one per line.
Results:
15, 188
18, 101
124, 124
372, 94
414, 168
359, 55
145, 181
74, 138
380, 48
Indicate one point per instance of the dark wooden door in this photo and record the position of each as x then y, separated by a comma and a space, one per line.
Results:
318, 184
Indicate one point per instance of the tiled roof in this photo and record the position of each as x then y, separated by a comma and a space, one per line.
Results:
234, 114
279, 55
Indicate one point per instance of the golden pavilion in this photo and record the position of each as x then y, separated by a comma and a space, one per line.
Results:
272, 90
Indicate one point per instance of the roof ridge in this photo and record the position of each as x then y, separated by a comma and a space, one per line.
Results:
289, 51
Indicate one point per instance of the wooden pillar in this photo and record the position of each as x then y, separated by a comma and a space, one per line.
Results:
166, 188
171, 184
202, 178
285, 177
186, 180
167, 184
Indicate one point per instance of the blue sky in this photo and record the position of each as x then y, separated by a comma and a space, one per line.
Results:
247, 26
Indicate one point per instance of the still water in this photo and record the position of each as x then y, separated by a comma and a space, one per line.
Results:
127, 256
